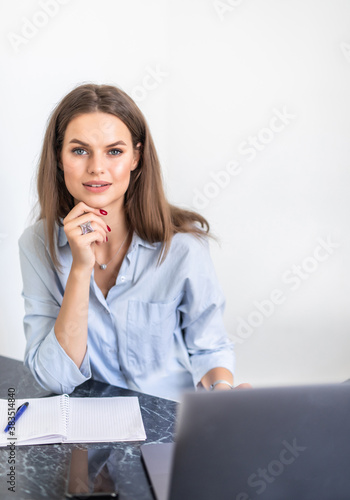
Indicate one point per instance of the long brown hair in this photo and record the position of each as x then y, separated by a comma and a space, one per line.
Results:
147, 210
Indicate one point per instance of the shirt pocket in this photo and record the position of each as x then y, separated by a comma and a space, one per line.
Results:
150, 330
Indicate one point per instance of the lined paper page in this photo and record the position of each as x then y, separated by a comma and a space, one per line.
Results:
105, 419
42, 422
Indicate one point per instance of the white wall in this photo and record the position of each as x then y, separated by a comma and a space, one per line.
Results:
224, 70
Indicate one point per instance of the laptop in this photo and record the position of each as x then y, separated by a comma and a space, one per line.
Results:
285, 443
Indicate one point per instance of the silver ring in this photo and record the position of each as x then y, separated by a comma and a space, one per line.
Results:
86, 227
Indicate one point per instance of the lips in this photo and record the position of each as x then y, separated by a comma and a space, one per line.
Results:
96, 186
96, 183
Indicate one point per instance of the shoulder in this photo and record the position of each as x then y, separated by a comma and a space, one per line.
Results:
34, 237
32, 233
190, 249
190, 263
189, 243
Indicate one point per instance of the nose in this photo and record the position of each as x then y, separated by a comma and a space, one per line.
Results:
95, 165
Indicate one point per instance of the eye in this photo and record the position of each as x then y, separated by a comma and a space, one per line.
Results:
79, 151
115, 152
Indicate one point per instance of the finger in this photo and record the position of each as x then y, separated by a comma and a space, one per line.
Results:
83, 241
80, 209
90, 238
75, 232
95, 221
243, 386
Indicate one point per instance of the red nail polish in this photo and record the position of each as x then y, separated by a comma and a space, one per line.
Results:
106, 238
103, 212
109, 229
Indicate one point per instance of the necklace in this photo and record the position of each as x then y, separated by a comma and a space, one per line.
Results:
104, 266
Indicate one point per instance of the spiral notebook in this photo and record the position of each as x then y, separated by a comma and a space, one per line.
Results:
62, 419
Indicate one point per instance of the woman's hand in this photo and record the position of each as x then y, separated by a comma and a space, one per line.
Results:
245, 385
220, 379
81, 245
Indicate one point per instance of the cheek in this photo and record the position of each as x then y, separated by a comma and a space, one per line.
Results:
71, 176
71, 167
122, 169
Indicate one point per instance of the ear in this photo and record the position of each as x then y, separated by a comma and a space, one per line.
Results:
137, 155
59, 162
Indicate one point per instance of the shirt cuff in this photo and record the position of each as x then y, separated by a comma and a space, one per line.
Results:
202, 363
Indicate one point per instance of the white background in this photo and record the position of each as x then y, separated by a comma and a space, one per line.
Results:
223, 70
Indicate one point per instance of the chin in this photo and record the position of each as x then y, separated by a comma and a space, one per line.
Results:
93, 204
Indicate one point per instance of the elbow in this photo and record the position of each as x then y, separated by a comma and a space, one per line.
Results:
43, 377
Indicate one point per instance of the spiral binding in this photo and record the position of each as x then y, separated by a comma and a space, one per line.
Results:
64, 404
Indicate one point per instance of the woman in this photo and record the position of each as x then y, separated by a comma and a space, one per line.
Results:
118, 284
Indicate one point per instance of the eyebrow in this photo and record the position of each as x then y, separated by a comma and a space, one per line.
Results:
85, 144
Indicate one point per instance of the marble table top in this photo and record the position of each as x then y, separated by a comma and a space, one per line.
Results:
42, 471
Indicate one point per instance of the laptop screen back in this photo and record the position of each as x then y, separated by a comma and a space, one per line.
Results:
272, 443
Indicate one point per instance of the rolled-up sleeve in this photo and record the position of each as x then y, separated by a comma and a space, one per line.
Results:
51, 366
202, 317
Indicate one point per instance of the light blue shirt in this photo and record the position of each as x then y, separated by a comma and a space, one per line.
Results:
159, 330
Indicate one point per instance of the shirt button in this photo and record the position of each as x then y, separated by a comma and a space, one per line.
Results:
122, 279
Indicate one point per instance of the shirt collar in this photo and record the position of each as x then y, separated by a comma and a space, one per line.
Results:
62, 238
136, 240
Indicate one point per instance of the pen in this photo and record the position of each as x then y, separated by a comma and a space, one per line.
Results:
20, 410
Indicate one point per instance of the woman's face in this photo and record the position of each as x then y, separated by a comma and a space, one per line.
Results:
97, 157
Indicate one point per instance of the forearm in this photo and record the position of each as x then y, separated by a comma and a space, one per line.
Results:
71, 327
216, 374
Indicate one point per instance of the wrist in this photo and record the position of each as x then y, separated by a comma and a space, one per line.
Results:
80, 273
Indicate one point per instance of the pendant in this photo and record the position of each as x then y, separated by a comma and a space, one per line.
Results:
103, 266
